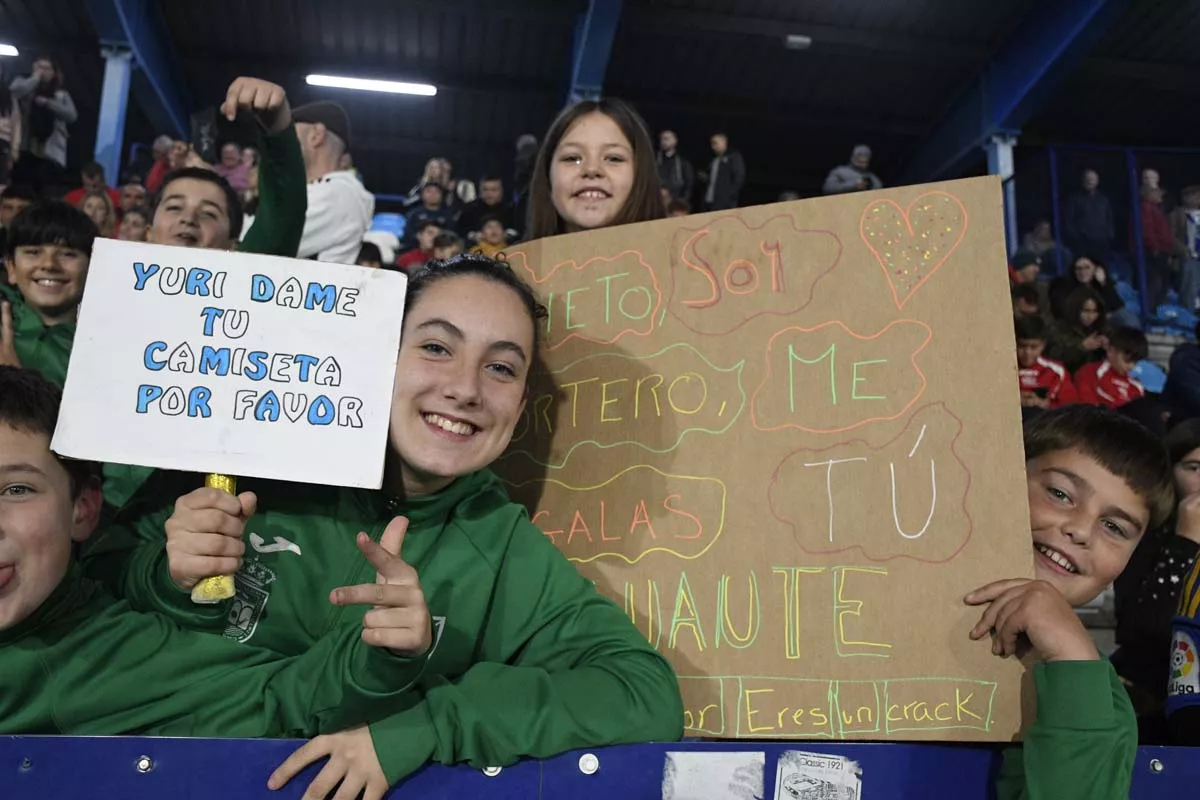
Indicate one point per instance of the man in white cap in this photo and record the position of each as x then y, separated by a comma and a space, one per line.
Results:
340, 210
855, 176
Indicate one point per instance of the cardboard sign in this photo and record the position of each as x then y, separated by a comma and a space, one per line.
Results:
787, 441
210, 361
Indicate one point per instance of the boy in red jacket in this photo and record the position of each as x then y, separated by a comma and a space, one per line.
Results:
1044, 383
1107, 383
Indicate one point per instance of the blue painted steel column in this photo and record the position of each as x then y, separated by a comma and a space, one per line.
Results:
593, 45
114, 99
1051, 40
139, 26
1000, 162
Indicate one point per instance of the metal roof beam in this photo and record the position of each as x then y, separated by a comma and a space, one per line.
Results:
1047, 44
160, 89
593, 45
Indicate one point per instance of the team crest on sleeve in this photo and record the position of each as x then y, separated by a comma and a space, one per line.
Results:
1185, 672
248, 604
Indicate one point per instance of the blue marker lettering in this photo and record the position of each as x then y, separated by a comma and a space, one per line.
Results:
256, 368
214, 361
267, 408
321, 412
324, 296
147, 394
198, 399
147, 357
304, 364
141, 274
262, 288
211, 315
197, 282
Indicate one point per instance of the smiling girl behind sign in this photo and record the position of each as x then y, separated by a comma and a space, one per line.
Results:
519, 655
595, 169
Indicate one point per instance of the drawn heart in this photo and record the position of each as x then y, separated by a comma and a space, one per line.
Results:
911, 244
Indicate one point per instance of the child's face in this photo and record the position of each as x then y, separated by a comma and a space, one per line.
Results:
97, 211
192, 213
442, 253
1024, 308
1028, 351
1085, 516
591, 174
38, 522
1029, 273
1121, 363
426, 236
493, 233
50, 277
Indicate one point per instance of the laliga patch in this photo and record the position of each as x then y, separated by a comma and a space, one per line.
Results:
1185, 669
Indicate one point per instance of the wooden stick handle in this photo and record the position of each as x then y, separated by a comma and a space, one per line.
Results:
219, 587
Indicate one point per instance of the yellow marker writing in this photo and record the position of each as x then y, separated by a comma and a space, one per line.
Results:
219, 587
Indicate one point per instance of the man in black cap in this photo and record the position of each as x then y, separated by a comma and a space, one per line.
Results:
340, 210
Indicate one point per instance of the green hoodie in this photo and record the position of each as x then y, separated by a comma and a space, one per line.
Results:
528, 658
86, 664
1084, 741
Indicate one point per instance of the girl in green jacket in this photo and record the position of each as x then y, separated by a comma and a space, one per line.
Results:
520, 655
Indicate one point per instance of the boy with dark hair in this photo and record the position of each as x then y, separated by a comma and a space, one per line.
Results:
430, 210
1107, 383
135, 225
427, 232
1044, 383
491, 203
1027, 300
76, 661
198, 208
13, 200
447, 245
369, 256
493, 237
49, 250
1097, 482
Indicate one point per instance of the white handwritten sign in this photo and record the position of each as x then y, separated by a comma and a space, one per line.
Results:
210, 361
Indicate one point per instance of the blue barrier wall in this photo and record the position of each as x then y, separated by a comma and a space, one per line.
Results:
48, 768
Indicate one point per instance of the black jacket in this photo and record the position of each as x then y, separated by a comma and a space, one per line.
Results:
676, 175
470, 220
1089, 218
730, 177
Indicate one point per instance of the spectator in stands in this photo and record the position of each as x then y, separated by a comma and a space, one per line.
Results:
855, 176
435, 172
369, 256
10, 131
1044, 383
1150, 179
447, 245
1158, 246
1040, 241
47, 111
490, 203
595, 169
232, 168
1078, 337
431, 209
459, 191
92, 180
493, 237
674, 171
1182, 392
523, 163
340, 210
13, 200
427, 233
49, 250
1084, 272
134, 225
788, 196
1027, 301
99, 207
1148, 590
162, 162
726, 175
678, 208
1025, 267
133, 195
1089, 221
1107, 383
528, 637
1185, 227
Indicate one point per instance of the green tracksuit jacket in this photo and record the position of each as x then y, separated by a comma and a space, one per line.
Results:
86, 664
528, 659
1084, 742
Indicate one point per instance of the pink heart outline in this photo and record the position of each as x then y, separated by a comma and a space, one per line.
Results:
905, 215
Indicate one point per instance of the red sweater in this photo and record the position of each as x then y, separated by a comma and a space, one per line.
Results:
1100, 385
1156, 229
75, 195
1051, 376
414, 258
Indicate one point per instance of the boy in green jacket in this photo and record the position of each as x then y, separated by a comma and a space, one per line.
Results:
49, 248
76, 661
1097, 481
524, 658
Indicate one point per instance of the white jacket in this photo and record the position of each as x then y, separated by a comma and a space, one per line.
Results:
340, 211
